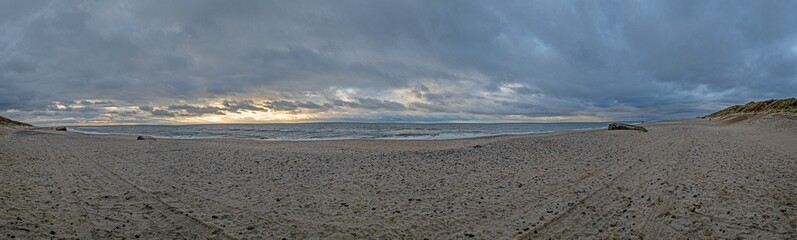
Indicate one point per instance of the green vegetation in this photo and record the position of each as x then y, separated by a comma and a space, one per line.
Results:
772, 105
8, 122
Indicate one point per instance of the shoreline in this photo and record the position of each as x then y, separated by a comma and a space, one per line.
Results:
335, 139
397, 138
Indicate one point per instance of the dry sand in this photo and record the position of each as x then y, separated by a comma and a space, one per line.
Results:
692, 179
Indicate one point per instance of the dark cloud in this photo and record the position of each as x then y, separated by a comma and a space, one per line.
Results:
237, 106
63, 108
162, 113
313, 105
188, 110
282, 105
145, 108
88, 103
370, 103
19, 66
174, 111
609, 59
356, 104
49, 114
123, 113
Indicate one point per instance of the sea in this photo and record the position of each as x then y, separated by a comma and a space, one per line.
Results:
337, 131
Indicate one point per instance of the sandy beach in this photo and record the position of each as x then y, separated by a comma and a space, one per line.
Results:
691, 179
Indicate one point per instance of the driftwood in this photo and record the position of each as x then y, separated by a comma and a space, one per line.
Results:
623, 126
60, 129
145, 138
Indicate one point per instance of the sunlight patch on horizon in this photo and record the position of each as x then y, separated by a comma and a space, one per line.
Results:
249, 117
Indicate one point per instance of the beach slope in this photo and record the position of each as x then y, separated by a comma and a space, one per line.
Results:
682, 179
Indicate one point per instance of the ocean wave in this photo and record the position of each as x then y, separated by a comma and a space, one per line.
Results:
336, 131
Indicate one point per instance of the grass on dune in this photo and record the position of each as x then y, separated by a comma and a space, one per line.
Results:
772, 105
8, 122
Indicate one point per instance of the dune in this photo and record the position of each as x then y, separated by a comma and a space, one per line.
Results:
692, 179
5, 122
788, 105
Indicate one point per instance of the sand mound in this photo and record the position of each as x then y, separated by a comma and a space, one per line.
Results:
781, 121
727, 120
775, 120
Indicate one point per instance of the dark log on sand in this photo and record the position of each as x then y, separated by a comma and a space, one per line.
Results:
623, 126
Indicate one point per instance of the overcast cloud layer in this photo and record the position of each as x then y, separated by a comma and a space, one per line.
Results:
96, 62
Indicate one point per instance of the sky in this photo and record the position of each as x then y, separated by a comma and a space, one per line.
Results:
184, 62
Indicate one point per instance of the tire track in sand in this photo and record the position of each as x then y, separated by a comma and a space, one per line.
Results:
660, 211
65, 178
183, 224
556, 224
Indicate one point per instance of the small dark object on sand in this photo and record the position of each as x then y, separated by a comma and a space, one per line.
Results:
60, 129
623, 126
145, 138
